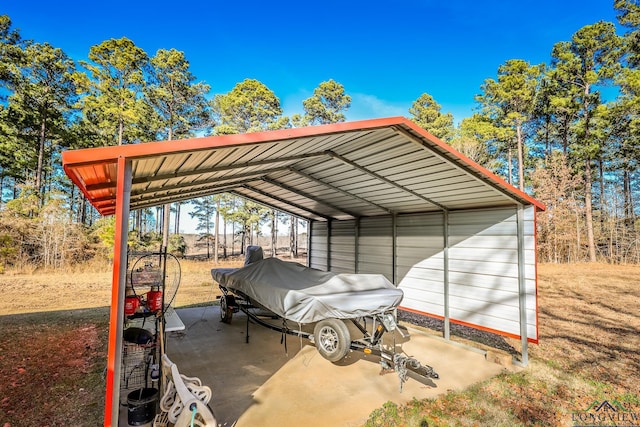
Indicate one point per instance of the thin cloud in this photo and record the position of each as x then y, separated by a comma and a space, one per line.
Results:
364, 106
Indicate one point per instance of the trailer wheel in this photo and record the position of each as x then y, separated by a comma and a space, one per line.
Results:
226, 312
332, 339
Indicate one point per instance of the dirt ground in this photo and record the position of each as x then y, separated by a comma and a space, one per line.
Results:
53, 341
53, 333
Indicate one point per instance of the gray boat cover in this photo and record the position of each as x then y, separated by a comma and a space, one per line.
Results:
306, 295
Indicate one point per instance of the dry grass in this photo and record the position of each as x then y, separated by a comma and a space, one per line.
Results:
91, 287
588, 351
589, 320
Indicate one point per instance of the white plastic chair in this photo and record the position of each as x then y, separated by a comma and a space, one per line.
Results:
185, 399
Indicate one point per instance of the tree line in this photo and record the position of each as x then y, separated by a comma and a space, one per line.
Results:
545, 128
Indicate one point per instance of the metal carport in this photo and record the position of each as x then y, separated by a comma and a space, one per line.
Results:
381, 196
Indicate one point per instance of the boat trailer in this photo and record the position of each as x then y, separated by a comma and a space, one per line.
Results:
332, 337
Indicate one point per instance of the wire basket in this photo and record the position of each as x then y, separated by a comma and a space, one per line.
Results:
139, 367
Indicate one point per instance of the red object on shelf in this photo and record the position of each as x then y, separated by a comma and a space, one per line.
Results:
154, 299
131, 305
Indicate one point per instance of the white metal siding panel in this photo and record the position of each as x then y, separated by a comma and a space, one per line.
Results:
343, 246
483, 272
483, 256
318, 250
424, 290
375, 246
530, 261
421, 277
418, 238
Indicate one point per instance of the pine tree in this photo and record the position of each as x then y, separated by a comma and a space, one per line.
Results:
590, 59
426, 113
509, 100
249, 107
113, 101
327, 105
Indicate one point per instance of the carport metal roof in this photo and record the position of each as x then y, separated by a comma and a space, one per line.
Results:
336, 171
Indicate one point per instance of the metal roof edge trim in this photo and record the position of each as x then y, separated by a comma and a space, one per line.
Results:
472, 164
110, 154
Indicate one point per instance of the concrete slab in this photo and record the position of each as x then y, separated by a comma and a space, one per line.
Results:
263, 383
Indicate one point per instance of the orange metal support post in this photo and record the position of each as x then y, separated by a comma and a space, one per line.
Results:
116, 318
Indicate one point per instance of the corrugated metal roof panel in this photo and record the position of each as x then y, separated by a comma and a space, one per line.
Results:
341, 171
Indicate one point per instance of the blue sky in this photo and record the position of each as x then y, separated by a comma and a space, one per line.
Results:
386, 54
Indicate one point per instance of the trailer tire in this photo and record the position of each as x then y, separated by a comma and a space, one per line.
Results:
226, 310
332, 339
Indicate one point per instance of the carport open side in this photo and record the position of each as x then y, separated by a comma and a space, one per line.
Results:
382, 196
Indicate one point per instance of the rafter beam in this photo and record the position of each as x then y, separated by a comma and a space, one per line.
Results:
219, 181
172, 199
198, 171
338, 189
283, 201
270, 205
308, 196
383, 179
201, 192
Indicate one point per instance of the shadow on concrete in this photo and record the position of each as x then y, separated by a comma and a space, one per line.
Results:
261, 383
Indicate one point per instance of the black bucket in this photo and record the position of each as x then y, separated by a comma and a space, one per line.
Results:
142, 406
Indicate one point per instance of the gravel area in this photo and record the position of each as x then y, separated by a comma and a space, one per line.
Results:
471, 336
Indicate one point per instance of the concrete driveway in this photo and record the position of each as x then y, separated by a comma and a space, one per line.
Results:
268, 383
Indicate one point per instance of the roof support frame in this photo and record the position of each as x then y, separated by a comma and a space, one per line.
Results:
269, 205
107, 201
234, 180
235, 166
142, 202
279, 199
307, 196
214, 187
383, 179
174, 200
254, 174
333, 187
